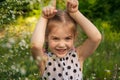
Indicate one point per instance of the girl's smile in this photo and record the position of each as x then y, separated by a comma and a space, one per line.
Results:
60, 41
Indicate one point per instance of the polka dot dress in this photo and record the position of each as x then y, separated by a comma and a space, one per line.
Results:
67, 68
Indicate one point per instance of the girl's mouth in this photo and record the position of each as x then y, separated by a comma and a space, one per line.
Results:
61, 51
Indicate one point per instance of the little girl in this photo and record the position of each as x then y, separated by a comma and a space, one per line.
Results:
58, 30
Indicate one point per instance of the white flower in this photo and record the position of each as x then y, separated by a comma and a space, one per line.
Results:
13, 67
11, 51
119, 68
31, 58
26, 78
8, 45
105, 78
107, 71
22, 43
11, 40
118, 77
23, 71
93, 77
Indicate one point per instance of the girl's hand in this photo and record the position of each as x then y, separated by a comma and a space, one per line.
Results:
49, 12
72, 6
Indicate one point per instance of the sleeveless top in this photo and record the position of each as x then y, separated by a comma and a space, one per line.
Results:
66, 68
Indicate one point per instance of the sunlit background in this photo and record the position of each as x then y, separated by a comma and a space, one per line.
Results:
18, 19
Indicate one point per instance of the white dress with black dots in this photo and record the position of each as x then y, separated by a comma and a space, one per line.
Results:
67, 68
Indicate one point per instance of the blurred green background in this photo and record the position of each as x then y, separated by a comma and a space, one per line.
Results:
18, 19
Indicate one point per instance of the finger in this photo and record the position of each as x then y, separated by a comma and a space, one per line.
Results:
51, 11
44, 11
75, 3
69, 4
55, 11
72, 3
47, 10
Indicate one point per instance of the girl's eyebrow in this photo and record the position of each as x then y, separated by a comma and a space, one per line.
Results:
65, 36
70, 35
53, 36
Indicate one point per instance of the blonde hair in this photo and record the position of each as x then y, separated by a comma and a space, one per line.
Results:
61, 17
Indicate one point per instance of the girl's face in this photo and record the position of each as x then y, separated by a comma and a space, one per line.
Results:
60, 40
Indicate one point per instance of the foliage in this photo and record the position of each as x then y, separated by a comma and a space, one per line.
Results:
106, 10
11, 9
104, 63
16, 60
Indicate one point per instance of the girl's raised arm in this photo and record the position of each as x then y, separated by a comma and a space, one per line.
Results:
38, 37
94, 36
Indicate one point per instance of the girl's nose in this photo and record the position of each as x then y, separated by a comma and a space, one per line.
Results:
61, 44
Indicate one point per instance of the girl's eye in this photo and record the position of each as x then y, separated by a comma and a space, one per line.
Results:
55, 38
68, 38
